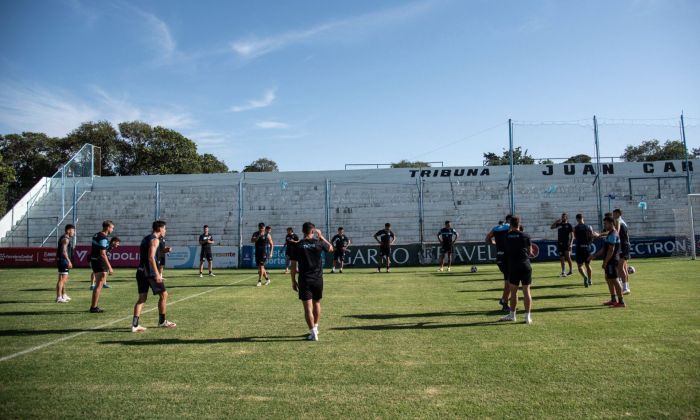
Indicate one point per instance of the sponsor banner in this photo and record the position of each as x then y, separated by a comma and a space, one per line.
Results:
355, 256
125, 256
27, 257
277, 261
188, 257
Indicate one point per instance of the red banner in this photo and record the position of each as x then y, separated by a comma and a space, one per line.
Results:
126, 256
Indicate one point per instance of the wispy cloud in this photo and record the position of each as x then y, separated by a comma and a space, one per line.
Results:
26, 107
275, 125
158, 32
252, 47
267, 100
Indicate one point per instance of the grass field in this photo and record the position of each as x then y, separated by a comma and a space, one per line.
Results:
412, 343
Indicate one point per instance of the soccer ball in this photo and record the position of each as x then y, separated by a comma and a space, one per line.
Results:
631, 270
473, 269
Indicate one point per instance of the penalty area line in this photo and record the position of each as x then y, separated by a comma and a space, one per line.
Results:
71, 336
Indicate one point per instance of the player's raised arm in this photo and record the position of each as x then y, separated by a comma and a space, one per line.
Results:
324, 240
555, 224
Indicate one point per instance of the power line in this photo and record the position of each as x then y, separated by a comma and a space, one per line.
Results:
477, 133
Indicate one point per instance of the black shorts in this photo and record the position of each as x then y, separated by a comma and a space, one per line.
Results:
563, 247
205, 255
384, 251
582, 254
144, 282
521, 274
446, 248
502, 265
625, 252
339, 255
611, 269
310, 289
260, 257
162, 261
98, 266
62, 265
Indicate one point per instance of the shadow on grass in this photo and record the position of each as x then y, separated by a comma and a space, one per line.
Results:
30, 313
4, 302
210, 285
536, 297
422, 315
170, 341
24, 333
423, 326
39, 290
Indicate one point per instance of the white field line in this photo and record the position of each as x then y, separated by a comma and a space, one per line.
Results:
71, 336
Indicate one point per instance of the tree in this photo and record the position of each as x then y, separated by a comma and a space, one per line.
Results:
211, 165
519, 158
28, 156
170, 152
135, 156
100, 134
408, 164
652, 150
262, 165
581, 158
545, 162
7, 177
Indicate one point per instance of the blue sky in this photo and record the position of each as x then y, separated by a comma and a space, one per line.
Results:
318, 84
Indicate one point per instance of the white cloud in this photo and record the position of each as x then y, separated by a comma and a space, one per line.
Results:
254, 47
159, 35
267, 100
56, 112
271, 125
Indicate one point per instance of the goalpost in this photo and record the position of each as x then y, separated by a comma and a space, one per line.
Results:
693, 251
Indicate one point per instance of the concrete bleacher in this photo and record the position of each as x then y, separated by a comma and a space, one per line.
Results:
361, 201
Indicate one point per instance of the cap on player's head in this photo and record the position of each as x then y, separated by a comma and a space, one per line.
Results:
515, 222
106, 224
387, 225
340, 229
69, 227
261, 225
307, 228
508, 217
158, 225
579, 216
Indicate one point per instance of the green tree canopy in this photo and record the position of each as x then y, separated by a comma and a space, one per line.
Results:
581, 158
520, 157
211, 165
262, 165
653, 150
408, 164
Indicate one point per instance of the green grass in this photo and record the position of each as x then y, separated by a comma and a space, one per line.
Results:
412, 343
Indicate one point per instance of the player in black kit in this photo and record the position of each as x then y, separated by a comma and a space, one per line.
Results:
385, 238
64, 257
289, 241
447, 238
306, 258
148, 276
262, 241
340, 244
565, 237
518, 252
497, 237
100, 263
584, 235
625, 248
206, 240
611, 258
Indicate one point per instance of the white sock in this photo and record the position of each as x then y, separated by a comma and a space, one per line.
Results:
316, 327
512, 313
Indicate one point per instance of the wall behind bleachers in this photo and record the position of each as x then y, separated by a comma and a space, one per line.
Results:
474, 199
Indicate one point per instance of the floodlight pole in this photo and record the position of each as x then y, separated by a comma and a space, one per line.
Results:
598, 170
157, 201
240, 219
685, 152
512, 178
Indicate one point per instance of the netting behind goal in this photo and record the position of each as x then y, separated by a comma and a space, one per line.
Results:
687, 228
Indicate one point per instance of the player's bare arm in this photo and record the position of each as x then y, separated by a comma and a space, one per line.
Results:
152, 250
103, 255
64, 250
555, 224
295, 285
